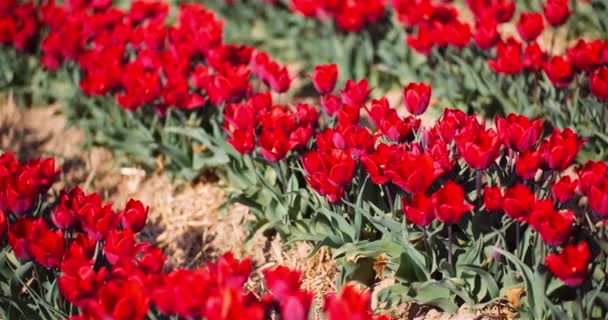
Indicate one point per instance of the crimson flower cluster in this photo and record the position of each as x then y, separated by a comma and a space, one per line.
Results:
107, 273
438, 25
18, 24
136, 57
425, 164
350, 16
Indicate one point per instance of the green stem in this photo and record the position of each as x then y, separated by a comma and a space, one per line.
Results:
450, 243
478, 177
389, 197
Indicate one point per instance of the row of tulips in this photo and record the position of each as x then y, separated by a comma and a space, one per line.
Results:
135, 57
392, 198
80, 246
444, 189
490, 57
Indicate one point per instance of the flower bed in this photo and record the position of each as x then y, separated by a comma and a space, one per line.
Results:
72, 256
488, 57
457, 212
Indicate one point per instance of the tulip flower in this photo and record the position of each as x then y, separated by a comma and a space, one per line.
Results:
591, 174
599, 84
560, 149
534, 57
530, 25
564, 189
46, 246
325, 77
559, 71
120, 300
518, 202
571, 265
417, 97
419, 210
598, 199
527, 164
486, 34
556, 12
449, 203
493, 199
554, 227
134, 216
479, 147
519, 132
586, 56
414, 173
355, 93
509, 58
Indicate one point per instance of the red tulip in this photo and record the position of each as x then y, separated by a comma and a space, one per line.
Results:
591, 174
493, 199
274, 145
419, 210
80, 283
19, 236
534, 57
486, 34
559, 151
527, 164
62, 216
519, 132
414, 173
231, 303
598, 199
45, 246
564, 189
243, 141
150, 259
556, 12
20, 184
518, 202
389, 122
559, 71
478, 147
449, 203
119, 300
599, 83
284, 284
456, 33
325, 77
350, 303
586, 56
119, 244
376, 162
423, 42
509, 59
530, 25
134, 216
554, 227
571, 265
329, 172
355, 93
417, 97
81, 249
96, 220
331, 103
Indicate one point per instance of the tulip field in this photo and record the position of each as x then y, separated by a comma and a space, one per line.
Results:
445, 154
